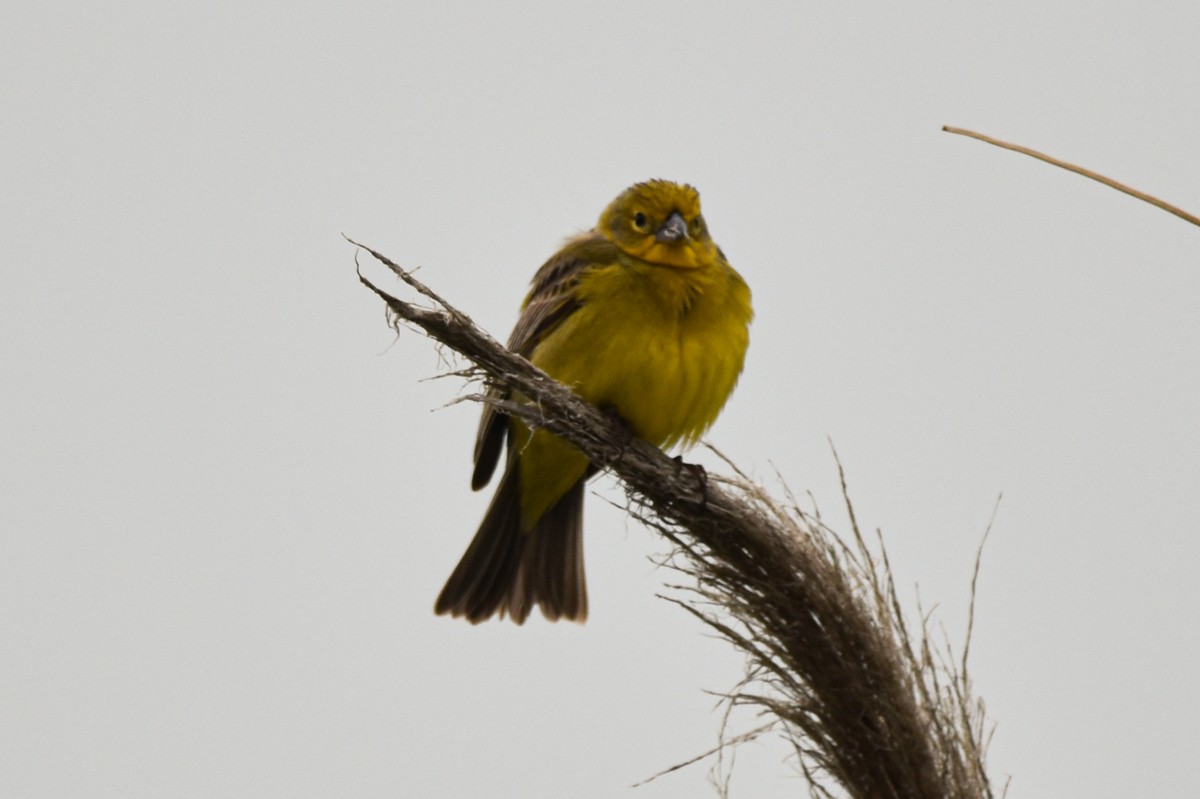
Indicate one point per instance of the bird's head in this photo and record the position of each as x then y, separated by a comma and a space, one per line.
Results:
660, 222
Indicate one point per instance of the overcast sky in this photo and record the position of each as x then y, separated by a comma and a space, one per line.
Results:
230, 493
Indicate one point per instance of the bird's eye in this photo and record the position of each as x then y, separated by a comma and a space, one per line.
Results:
639, 222
697, 225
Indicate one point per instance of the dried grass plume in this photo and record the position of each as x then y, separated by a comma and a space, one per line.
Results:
871, 706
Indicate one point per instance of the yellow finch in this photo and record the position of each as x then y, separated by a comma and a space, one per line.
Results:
641, 316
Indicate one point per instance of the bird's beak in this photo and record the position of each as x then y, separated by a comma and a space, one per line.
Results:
673, 230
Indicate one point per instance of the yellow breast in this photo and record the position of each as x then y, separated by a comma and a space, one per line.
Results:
662, 347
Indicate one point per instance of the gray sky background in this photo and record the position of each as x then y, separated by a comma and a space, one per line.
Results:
229, 499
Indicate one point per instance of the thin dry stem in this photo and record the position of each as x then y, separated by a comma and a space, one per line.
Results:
725, 743
1078, 170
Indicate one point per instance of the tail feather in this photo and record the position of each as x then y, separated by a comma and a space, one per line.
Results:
552, 564
478, 585
507, 571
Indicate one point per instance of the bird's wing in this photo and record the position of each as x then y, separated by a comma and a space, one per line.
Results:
551, 299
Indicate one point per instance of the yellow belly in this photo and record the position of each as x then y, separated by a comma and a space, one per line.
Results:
661, 347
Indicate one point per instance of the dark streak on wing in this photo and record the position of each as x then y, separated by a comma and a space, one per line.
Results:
551, 299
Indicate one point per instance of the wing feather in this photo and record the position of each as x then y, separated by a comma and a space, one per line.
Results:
552, 298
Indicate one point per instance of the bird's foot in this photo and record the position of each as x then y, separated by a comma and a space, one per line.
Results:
625, 434
699, 472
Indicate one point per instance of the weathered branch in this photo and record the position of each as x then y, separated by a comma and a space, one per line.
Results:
831, 656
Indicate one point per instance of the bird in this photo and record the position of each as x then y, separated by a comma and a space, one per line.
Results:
641, 316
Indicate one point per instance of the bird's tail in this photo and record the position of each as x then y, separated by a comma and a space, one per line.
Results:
506, 570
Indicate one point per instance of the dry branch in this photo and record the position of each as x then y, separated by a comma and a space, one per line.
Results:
863, 700
1078, 170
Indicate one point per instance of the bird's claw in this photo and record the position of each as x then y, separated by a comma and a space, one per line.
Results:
699, 472
625, 434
